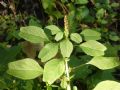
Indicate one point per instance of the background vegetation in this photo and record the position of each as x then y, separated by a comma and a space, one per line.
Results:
102, 16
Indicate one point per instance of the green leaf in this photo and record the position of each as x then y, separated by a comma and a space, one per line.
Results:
33, 34
8, 54
82, 71
28, 85
25, 69
71, 19
53, 28
56, 14
53, 70
48, 52
108, 85
75, 88
66, 48
113, 36
82, 13
34, 22
100, 13
81, 1
76, 37
47, 3
115, 5
49, 87
105, 62
93, 48
59, 36
99, 76
102, 21
89, 34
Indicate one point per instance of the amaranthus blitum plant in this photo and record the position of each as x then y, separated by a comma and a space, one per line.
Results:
56, 54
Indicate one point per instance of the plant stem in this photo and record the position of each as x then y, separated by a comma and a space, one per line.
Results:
78, 67
66, 32
48, 86
67, 74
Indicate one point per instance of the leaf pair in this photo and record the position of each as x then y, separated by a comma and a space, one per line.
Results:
36, 34
96, 49
30, 69
55, 31
88, 34
51, 49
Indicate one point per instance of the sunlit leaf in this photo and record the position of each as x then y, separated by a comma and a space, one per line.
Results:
66, 48
93, 48
25, 69
48, 52
53, 70
59, 36
76, 37
53, 28
105, 62
108, 85
75, 88
33, 34
89, 34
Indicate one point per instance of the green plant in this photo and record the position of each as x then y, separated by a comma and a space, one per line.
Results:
56, 54
88, 45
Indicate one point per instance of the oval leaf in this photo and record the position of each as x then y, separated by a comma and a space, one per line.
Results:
113, 36
53, 70
25, 69
66, 48
48, 52
33, 34
53, 28
100, 13
75, 88
105, 62
93, 48
76, 37
59, 36
108, 85
89, 34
